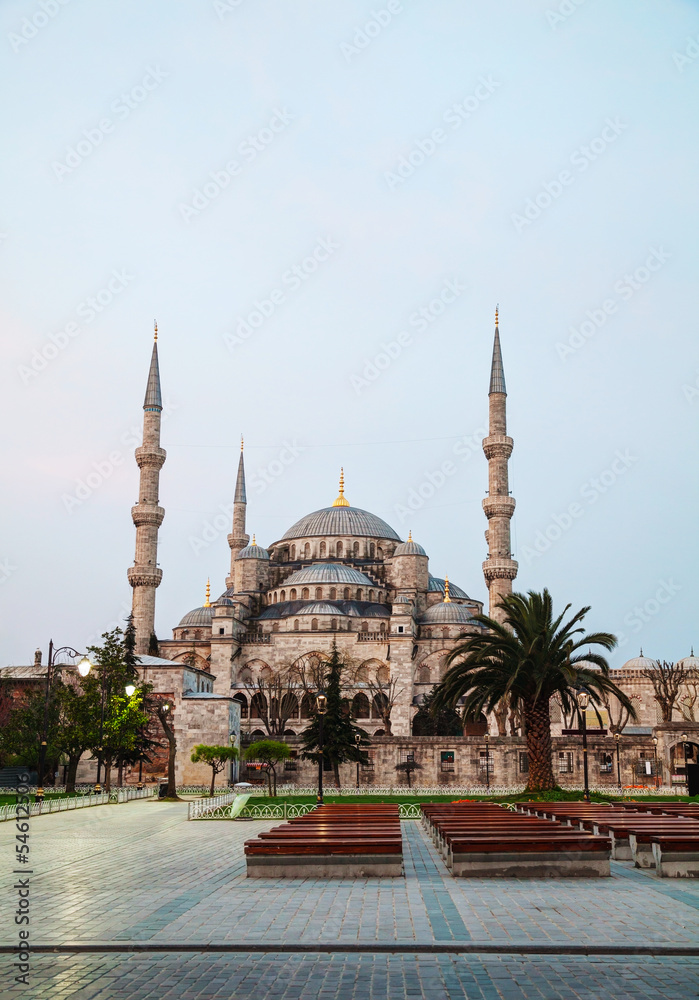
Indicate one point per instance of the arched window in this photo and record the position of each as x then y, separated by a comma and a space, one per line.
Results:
345, 706
365, 627
243, 702
258, 706
428, 633
445, 632
379, 552
314, 624
372, 550
319, 593
424, 675
333, 624
304, 593
355, 550
290, 706
293, 552
307, 550
346, 593
307, 705
379, 703
333, 594
296, 624
371, 595
275, 597
359, 593
360, 706
382, 627
185, 633
322, 550
282, 595
289, 732
275, 626
197, 633
292, 594
383, 675
338, 548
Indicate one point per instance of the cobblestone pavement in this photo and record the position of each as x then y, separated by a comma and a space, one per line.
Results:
139, 872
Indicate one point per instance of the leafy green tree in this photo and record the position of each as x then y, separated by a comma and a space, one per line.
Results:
445, 722
270, 753
339, 732
527, 659
215, 756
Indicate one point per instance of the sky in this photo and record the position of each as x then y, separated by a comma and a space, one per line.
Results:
321, 204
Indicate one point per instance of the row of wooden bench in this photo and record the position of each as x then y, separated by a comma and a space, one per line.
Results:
666, 839
489, 841
338, 840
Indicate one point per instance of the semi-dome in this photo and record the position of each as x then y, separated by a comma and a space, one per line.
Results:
437, 584
447, 613
409, 548
253, 551
319, 608
198, 617
329, 573
340, 520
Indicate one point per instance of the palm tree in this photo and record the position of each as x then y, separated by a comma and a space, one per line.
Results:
526, 659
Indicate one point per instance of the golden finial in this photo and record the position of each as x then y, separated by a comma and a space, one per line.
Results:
410, 536
447, 598
497, 309
341, 500
242, 443
253, 540
207, 602
155, 326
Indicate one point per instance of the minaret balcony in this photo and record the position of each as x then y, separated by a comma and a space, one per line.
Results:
497, 446
150, 457
140, 576
499, 568
147, 514
496, 506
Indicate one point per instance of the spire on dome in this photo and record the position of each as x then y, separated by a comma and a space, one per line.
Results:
254, 540
207, 601
154, 399
497, 372
341, 500
410, 535
240, 496
447, 598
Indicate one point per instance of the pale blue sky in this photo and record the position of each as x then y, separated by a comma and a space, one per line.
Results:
606, 94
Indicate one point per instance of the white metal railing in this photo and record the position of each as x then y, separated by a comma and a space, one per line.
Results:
212, 807
70, 802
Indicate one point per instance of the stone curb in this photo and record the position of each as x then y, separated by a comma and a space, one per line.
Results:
369, 947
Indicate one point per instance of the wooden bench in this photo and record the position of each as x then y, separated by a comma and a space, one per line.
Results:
676, 856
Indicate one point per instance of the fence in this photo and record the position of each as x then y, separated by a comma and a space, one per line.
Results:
68, 803
212, 807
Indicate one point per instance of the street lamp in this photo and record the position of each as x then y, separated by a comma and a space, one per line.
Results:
487, 760
357, 740
130, 690
84, 667
583, 702
321, 709
617, 737
684, 745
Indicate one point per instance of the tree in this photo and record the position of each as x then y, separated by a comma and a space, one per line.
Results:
408, 766
274, 693
270, 753
445, 722
153, 646
215, 756
383, 689
162, 707
528, 658
339, 733
667, 679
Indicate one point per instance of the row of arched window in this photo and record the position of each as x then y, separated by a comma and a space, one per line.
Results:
292, 708
336, 549
332, 594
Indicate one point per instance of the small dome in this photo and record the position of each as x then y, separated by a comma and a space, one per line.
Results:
437, 584
199, 616
225, 601
253, 551
402, 599
690, 662
409, 548
640, 662
447, 613
329, 573
320, 608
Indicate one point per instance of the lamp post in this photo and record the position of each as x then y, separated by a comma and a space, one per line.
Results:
84, 667
321, 708
583, 702
487, 761
684, 747
617, 737
357, 740
655, 759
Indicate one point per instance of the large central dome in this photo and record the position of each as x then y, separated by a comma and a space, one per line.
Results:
337, 520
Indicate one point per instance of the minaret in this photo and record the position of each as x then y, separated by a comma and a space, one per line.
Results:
237, 539
144, 575
500, 568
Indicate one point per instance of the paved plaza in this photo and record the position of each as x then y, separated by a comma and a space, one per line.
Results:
139, 876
